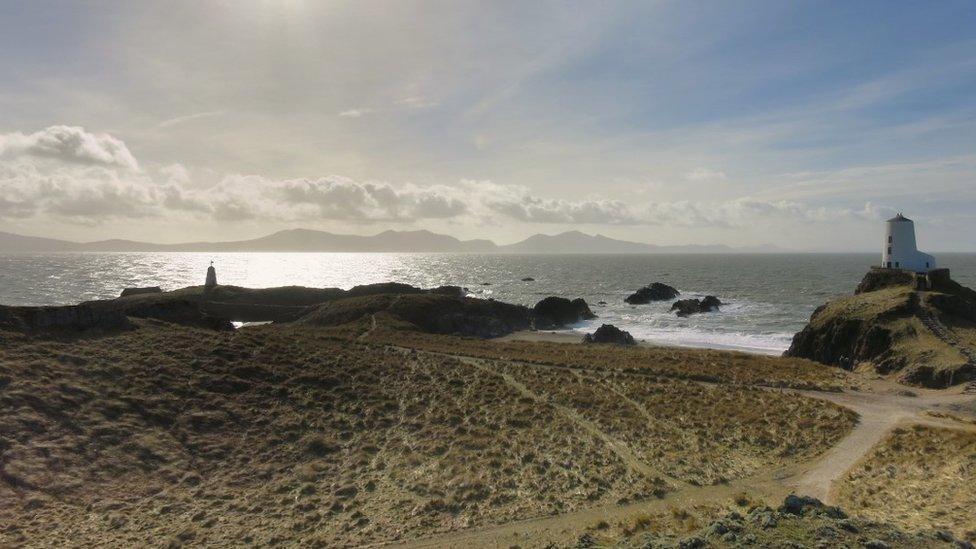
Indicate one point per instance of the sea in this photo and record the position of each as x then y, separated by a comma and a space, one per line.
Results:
767, 298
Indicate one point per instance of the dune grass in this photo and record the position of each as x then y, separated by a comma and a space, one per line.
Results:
921, 477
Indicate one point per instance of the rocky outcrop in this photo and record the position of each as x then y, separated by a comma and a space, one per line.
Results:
895, 329
608, 333
685, 307
68, 317
141, 291
800, 521
557, 312
186, 312
428, 312
216, 307
878, 279
655, 292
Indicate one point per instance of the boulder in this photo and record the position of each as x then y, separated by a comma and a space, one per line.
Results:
655, 292
140, 291
710, 303
528, 279
685, 307
803, 505
608, 333
556, 312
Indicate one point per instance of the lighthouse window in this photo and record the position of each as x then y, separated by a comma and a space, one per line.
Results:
889, 250
889, 239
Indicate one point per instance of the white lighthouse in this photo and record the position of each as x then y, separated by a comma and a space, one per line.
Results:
900, 251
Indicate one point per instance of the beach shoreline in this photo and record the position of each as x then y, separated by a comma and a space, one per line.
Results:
575, 336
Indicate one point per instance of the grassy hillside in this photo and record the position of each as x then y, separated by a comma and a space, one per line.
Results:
920, 337
283, 434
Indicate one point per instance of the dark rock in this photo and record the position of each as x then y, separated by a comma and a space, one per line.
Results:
798, 505
710, 303
382, 288
455, 291
876, 544
879, 279
557, 312
528, 279
177, 311
141, 291
685, 307
67, 317
608, 333
434, 313
655, 292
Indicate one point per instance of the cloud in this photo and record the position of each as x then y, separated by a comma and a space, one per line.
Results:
533, 209
416, 102
355, 113
69, 144
338, 197
705, 174
86, 194
187, 118
66, 173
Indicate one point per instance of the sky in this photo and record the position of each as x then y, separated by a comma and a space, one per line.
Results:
798, 124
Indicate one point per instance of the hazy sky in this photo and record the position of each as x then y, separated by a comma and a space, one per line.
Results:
802, 124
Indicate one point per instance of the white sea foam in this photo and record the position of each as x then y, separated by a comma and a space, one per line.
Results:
736, 325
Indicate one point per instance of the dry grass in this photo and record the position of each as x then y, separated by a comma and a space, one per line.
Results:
921, 477
670, 362
279, 434
865, 306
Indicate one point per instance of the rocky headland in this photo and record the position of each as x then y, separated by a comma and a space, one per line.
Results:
920, 329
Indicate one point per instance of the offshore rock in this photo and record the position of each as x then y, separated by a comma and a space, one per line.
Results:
557, 312
655, 292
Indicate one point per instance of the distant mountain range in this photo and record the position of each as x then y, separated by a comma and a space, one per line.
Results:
305, 240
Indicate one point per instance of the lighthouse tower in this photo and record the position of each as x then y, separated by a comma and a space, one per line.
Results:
899, 247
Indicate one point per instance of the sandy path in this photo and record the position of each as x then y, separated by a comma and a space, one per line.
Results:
878, 415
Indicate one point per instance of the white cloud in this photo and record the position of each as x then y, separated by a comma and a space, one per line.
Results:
69, 144
355, 113
187, 118
68, 174
705, 174
416, 102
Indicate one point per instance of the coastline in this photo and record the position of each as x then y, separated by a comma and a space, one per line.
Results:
576, 336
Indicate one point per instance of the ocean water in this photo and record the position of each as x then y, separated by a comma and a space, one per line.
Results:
768, 297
